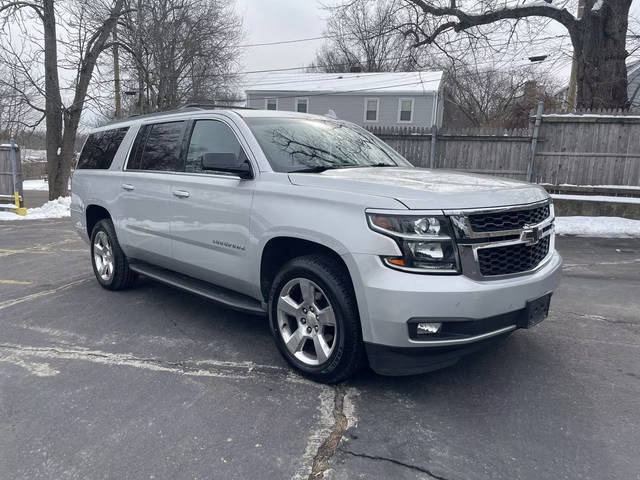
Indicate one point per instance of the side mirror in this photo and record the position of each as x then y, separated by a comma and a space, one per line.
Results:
228, 163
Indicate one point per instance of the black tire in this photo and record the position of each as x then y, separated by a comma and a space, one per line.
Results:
348, 356
123, 277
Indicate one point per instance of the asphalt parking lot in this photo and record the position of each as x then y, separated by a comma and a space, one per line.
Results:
157, 383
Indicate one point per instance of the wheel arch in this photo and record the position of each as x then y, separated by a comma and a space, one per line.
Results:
93, 214
280, 249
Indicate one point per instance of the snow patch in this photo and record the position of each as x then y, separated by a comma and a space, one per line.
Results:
39, 369
349, 407
587, 115
595, 198
58, 208
598, 227
625, 187
40, 185
597, 5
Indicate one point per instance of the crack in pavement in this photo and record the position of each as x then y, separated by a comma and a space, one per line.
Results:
328, 447
15, 301
337, 415
600, 318
596, 264
201, 368
45, 248
395, 462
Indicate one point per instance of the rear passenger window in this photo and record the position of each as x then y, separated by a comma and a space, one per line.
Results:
100, 148
211, 136
158, 147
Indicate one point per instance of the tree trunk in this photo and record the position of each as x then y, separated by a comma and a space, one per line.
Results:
600, 46
62, 123
58, 181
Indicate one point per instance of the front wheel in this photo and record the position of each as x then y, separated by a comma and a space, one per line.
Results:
314, 318
110, 264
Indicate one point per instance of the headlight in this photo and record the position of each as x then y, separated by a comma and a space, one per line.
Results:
426, 242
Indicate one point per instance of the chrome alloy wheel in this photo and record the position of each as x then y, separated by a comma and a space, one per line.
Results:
306, 321
103, 256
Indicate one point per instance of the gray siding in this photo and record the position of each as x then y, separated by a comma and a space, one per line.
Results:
351, 107
633, 88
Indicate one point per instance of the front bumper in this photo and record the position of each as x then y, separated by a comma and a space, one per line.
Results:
440, 352
388, 300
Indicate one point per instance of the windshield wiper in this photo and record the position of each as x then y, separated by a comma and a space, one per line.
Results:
380, 164
322, 168
316, 169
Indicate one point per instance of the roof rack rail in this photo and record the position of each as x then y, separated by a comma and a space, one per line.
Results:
208, 106
190, 106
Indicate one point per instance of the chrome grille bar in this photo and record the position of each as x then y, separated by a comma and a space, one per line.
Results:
470, 242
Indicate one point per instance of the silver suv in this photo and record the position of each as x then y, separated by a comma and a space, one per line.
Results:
353, 254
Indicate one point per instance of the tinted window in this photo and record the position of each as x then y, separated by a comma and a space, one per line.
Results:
158, 147
211, 136
100, 148
295, 144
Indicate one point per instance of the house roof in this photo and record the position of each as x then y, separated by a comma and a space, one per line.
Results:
361, 83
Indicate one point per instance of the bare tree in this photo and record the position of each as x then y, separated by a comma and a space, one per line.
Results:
88, 26
495, 96
363, 36
598, 37
181, 51
16, 114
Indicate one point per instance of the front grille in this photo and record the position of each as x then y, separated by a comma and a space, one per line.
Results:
507, 220
512, 258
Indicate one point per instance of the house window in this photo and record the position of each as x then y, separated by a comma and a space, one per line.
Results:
302, 105
371, 109
405, 110
271, 103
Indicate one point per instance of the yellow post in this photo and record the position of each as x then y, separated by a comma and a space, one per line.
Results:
20, 210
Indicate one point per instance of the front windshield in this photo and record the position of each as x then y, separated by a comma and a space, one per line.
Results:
300, 144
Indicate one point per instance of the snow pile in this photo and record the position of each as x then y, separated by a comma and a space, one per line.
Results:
35, 185
30, 155
598, 227
625, 187
596, 198
58, 208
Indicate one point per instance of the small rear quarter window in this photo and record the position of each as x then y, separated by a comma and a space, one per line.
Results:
100, 148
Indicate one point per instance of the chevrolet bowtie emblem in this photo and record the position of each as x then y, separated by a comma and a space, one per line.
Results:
531, 235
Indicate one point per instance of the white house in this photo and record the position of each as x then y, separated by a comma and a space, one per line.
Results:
368, 99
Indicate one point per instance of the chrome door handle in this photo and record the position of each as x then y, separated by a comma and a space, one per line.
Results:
181, 193
127, 186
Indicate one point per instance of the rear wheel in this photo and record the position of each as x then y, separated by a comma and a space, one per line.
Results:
314, 319
110, 264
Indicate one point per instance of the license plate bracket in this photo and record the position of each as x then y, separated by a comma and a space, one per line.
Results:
535, 312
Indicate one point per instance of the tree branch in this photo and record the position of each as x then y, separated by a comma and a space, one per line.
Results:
466, 20
21, 4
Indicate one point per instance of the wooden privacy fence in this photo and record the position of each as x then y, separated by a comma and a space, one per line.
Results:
34, 170
589, 149
580, 149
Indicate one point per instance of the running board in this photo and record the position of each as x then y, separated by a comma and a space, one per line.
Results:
220, 295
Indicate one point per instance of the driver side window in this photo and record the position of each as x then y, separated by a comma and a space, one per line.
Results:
211, 136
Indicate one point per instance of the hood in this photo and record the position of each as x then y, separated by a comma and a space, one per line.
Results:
424, 189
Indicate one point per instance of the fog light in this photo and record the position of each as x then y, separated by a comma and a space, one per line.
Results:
428, 328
